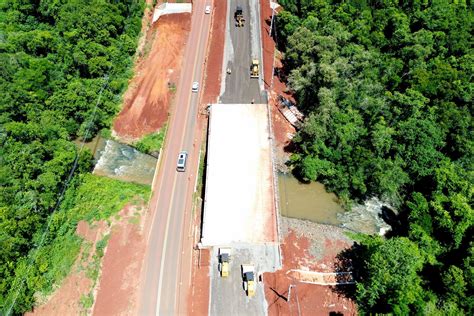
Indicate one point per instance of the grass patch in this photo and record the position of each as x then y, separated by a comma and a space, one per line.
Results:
89, 198
98, 198
201, 169
148, 45
87, 300
106, 133
172, 87
86, 249
151, 143
54, 261
199, 194
134, 220
93, 268
101, 244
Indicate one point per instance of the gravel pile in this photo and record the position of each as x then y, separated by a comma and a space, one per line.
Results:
316, 233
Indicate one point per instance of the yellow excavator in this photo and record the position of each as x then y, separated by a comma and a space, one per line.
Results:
254, 69
239, 17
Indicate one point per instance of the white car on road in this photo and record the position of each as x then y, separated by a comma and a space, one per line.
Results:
195, 86
208, 9
181, 165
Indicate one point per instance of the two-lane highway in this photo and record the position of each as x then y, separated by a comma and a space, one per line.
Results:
164, 287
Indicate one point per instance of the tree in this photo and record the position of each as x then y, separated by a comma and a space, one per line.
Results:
391, 281
386, 87
53, 58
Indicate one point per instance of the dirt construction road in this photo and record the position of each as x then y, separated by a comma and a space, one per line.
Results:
166, 278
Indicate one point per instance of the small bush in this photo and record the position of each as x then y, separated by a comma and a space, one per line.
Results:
151, 143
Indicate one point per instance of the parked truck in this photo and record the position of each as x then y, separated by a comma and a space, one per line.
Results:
248, 277
224, 259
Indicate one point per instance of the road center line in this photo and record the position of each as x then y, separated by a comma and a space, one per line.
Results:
165, 242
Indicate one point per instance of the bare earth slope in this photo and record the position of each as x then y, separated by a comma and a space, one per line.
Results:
146, 103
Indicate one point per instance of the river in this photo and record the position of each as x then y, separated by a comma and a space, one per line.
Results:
120, 161
311, 201
308, 201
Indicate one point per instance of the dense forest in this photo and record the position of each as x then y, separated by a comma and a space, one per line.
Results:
387, 90
64, 65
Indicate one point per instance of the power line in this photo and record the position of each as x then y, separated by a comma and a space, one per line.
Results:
61, 195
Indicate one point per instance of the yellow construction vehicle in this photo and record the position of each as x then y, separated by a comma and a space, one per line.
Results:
254, 69
224, 258
239, 17
248, 276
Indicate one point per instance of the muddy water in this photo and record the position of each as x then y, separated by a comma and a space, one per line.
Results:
312, 202
123, 162
308, 201
93, 145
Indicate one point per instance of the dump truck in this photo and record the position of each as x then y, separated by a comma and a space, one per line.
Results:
224, 259
254, 69
248, 276
239, 17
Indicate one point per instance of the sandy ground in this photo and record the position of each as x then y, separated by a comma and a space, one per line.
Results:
307, 246
147, 101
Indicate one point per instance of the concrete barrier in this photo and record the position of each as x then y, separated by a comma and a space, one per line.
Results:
171, 8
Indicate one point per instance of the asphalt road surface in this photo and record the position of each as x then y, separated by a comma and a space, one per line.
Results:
239, 87
168, 256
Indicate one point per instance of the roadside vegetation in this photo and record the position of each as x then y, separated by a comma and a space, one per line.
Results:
151, 144
387, 90
63, 66
90, 198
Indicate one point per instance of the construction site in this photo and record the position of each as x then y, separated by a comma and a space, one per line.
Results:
239, 224
253, 265
244, 258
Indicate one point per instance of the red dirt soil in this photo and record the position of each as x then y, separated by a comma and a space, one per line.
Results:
281, 127
305, 299
66, 299
268, 43
147, 101
198, 301
213, 70
117, 293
